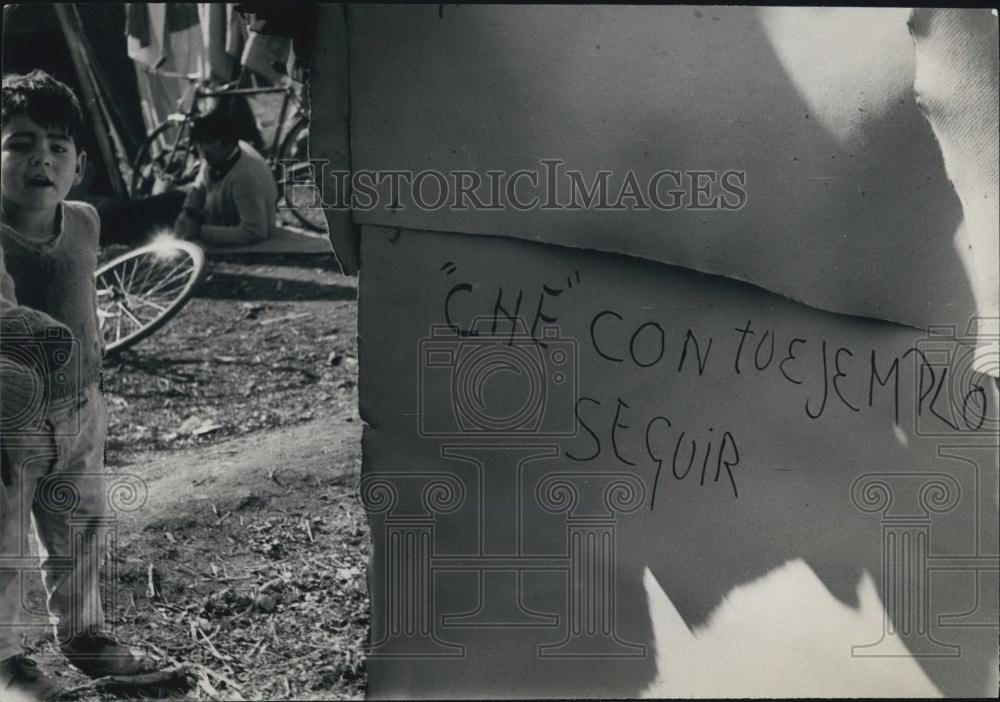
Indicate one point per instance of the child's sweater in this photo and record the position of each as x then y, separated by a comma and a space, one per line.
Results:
57, 278
241, 206
24, 358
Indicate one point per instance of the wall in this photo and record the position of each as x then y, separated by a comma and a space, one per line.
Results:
729, 469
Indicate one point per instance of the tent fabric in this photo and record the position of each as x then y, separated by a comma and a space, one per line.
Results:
92, 101
207, 39
178, 17
165, 36
268, 56
216, 26
181, 51
101, 29
237, 32
844, 176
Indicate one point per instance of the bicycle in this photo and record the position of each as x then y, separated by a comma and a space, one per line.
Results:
167, 158
141, 290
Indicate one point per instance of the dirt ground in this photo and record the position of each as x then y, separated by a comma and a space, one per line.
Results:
247, 560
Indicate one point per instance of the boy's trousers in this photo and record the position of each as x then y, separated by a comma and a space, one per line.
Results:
55, 474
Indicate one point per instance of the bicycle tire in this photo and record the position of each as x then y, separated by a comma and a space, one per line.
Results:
158, 277
295, 146
148, 166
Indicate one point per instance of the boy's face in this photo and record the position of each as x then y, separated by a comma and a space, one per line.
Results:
39, 164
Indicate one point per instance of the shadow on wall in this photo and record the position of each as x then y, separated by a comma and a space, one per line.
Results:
811, 192
800, 490
856, 196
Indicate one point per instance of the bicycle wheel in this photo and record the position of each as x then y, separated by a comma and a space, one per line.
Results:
298, 192
166, 159
138, 292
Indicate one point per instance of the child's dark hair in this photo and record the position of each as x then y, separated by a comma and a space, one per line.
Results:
44, 100
216, 125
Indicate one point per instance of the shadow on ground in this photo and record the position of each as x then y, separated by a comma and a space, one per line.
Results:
220, 285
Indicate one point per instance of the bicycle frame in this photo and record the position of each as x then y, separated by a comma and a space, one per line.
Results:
200, 93
168, 160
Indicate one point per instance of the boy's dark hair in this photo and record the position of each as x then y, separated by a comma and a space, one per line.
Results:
216, 125
44, 100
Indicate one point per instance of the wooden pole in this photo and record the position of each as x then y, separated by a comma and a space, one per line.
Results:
72, 27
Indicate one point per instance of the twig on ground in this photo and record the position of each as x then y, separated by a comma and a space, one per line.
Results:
273, 582
212, 649
206, 685
253, 650
221, 678
150, 583
211, 636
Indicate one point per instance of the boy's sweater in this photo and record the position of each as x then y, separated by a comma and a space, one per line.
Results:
24, 358
57, 278
241, 206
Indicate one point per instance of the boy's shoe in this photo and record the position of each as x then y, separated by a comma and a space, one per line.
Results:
20, 679
100, 655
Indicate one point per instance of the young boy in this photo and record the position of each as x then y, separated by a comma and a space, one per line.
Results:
53, 463
234, 200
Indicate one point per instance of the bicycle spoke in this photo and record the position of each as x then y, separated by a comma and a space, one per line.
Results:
150, 269
129, 320
140, 291
164, 300
131, 278
128, 313
166, 290
146, 270
175, 275
150, 303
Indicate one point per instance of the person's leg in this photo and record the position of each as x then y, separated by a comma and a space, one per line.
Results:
13, 556
24, 458
69, 510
